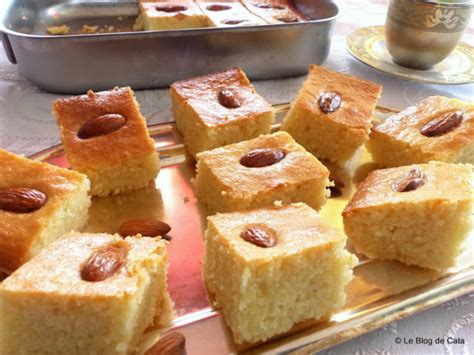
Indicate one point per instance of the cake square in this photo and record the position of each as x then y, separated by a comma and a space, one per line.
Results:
229, 14
257, 172
171, 15
219, 109
416, 214
331, 115
275, 11
105, 137
438, 128
39, 202
85, 294
268, 269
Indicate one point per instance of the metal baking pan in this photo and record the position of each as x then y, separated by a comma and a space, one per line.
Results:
152, 59
379, 293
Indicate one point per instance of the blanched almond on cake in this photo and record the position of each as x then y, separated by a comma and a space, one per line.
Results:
409, 181
22, 200
227, 98
270, 6
259, 235
443, 125
171, 8
329, 102
218, 7
101, 125
145, 226
259, 158
104, 263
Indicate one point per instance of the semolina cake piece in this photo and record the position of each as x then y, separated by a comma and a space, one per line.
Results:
39, 203
257, 172
85, 294
331, 115
171, 15
229, 14
438, 128
219, 109
269, 269
275, 11
105, 137
418, 214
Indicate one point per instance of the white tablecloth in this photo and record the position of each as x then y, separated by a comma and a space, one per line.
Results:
27, 126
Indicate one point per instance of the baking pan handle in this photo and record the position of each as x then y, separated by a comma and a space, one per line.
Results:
8, 47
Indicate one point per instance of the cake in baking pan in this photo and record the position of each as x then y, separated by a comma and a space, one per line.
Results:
169, 15
275, 11
228, 14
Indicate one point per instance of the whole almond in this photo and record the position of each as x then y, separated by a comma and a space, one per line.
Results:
218, 7
145, 226
104, 263
21, 200
287, 18
329, 102
439, 126
259, 235
409, 181
259, 158
171, 8
270, 6
171, 344
232, 22
101, 125
228, 99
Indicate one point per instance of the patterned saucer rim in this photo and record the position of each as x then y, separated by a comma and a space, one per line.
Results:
360, 45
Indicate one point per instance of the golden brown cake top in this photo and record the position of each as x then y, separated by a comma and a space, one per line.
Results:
129, 141
225, 14
439, 182
358, 97
204, 95
275, 11
178, 9
407, 126
18, 230
57, 269
297, 166
295, 228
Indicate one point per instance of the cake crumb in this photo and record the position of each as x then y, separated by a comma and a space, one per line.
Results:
278, 204
89, 29
58, 30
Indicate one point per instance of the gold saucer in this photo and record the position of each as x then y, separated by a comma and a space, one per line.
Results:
368, 45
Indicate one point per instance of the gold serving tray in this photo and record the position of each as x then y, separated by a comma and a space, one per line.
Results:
381, 291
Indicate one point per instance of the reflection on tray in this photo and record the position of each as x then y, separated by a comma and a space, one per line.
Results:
108, 213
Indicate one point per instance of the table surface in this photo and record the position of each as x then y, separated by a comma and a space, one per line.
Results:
27, 126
